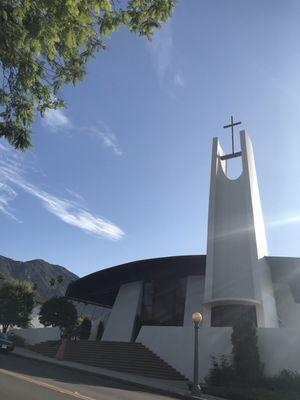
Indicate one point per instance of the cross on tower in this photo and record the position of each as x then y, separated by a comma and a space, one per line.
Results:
232, 133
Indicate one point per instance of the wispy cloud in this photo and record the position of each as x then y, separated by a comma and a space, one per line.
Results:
106, 135
162, 52
161, 49
56, 120
68, 211
75, 195
178, 80
7, 194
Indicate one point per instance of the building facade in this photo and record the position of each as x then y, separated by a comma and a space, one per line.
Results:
152, 301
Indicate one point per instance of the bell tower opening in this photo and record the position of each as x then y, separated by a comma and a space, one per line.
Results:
234, 168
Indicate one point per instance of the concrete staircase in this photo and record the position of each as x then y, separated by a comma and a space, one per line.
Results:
133, 358
48, 348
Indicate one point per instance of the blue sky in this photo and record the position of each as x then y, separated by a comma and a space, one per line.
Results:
123, 172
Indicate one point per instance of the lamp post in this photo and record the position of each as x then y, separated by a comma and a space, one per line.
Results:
197, 318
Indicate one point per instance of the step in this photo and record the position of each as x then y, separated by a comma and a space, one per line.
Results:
138, 371
121, 365
132, 358
149, 363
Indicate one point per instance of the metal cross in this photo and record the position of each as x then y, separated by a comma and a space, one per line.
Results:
232, 133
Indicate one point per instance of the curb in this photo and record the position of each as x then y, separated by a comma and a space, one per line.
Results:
144, 386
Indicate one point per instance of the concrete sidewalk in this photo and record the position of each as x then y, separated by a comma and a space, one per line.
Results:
178, 389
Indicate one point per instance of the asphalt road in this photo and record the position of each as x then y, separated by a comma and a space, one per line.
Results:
24, 379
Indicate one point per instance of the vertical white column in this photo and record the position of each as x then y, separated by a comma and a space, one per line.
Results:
236, 271
121, 322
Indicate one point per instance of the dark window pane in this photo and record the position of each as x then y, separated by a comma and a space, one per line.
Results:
229, 314
163, 302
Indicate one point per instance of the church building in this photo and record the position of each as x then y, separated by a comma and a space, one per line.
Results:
152, 301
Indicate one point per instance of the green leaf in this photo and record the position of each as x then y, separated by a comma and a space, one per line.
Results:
46, 44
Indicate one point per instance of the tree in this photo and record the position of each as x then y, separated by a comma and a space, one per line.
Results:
59, 312
16, 304
243, 366
45, 44
84, 330
245, 355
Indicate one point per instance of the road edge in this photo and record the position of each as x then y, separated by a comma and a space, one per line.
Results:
148, 388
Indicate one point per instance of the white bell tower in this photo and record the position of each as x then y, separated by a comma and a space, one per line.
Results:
236, 270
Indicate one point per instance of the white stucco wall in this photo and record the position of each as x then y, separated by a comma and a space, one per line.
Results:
236, 270
91, 311
278, 347
175, 346
37, 335
288, 310
95, 325
121, 321
286, 281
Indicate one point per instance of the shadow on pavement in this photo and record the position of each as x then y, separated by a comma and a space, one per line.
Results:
41, 369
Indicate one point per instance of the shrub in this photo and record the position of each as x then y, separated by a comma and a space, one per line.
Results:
245, 356
249, 393
244, 367
84, 330
100, 331
285, 380
241, 377
17, 340
221, 372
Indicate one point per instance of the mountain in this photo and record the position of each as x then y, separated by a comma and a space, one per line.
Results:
40, 273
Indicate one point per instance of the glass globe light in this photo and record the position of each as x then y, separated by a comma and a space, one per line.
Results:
197, 318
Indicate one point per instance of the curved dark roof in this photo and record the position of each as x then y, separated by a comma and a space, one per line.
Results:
102, 287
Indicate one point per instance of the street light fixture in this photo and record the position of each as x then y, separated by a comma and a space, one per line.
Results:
197, 318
